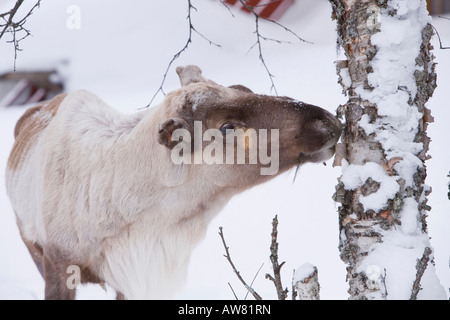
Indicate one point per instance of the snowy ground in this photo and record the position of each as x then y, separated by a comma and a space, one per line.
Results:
121, 52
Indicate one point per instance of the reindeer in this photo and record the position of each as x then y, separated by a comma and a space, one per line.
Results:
96, 189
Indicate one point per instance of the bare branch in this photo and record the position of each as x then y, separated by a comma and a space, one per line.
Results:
276, 278
16, 27
258, 43
259, 37
226, 6
227, 255
421, 266
184, 48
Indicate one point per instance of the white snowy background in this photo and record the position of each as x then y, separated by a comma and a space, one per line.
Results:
121, 52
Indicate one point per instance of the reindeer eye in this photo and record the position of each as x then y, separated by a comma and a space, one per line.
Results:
225, 127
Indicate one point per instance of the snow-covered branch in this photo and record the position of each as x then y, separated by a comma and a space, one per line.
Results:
306, 282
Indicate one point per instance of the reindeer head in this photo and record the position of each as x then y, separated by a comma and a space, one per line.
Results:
237, 135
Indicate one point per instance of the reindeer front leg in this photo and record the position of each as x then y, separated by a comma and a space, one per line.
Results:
56, 280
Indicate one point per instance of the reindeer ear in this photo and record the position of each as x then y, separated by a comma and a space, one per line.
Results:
191, 74
167, 128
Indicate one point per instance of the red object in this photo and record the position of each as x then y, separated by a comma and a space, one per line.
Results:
268, 9
251, 3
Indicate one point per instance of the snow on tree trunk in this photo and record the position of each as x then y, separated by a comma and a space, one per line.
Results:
388, 75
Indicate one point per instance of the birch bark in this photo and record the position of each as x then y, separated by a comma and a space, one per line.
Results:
388, 75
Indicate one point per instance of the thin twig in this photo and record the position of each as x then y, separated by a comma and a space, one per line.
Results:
439, 37
258, 43
185, 47
228, 8
276, 278
275, 22
254, 278
15, 27
227, 255
260, 37
421, 266
296, 172
11, 13
276, 40
232, 290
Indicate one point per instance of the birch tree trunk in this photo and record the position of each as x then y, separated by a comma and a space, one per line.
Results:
388, 76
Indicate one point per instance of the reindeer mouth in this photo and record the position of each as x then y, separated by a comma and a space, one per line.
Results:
316, 156
320, 146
